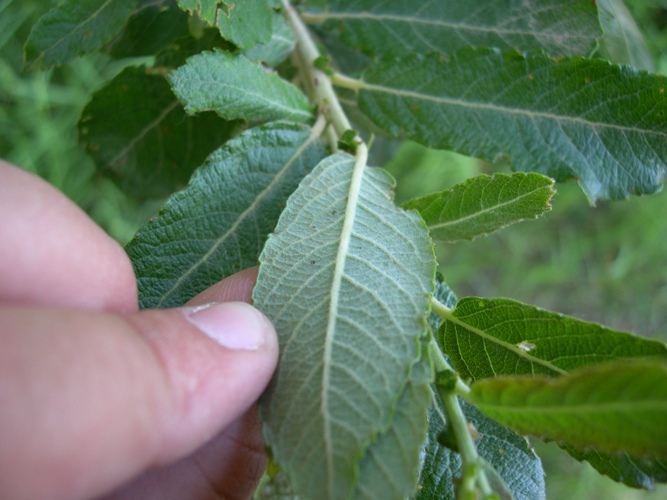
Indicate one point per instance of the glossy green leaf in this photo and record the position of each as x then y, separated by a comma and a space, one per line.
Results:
510, 455
139, 135
151, 28
280, 45
622, 42
218, 224
234, 87
569, 118
397, 28
74, 28
493, 337
391, 466
637, 472
345, 279
244, 23
612, 407
483, 204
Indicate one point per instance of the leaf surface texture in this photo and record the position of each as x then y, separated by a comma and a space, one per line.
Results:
139, 135
601, 124
493, 337
483, 204
345, 279
235, 87
244, 23
396, 27
74, 28
218, 224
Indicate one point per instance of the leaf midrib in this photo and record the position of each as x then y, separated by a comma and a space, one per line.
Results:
76, 28
504, 109
479, 213
260, 97
142, 133
343, 16
337, 278
517, 350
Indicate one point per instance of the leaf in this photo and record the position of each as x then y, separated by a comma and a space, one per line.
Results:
280, 45
206, 10
390, 467
244, 23
151, 28
235, 87
510, 455
483, 204
632, 471
493, 337
622, 42
74, 28
218, 224
139, 135
613, 407
345, 279
602, 124
397, 28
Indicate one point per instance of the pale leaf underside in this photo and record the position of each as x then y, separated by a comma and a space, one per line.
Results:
622, 43
396, 27
345, 279
570, 118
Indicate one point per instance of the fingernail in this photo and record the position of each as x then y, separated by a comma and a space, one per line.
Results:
235, 325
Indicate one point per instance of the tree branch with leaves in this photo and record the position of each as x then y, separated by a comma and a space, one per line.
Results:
388, 386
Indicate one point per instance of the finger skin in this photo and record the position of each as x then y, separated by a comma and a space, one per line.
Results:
229, 466
113, 395
51, 251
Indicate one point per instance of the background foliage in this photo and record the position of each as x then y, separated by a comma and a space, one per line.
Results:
603, 264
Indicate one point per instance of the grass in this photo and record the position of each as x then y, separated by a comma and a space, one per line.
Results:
606, 264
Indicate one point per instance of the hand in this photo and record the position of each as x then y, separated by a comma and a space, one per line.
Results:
97, 398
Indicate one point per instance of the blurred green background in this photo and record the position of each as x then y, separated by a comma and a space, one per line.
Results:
606, 263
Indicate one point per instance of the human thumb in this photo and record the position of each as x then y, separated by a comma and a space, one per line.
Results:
88, 400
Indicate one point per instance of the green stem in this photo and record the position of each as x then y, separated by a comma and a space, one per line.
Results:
440, 309
346, 82
472, 474
472, 469
323, 92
